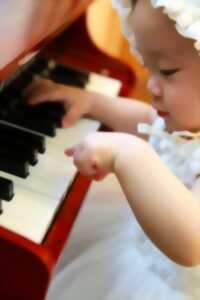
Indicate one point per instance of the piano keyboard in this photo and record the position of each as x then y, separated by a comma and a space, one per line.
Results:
38, 197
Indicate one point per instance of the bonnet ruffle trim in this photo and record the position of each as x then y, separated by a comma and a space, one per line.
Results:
185, 13
124, 9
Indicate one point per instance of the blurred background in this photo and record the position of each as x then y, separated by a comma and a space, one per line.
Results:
114, 43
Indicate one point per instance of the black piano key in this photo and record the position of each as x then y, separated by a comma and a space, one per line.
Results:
16, 152
13, 101
44, 118
23, 115
19, 148
4, 105
20, 83
18, 167
43, 126
65, 75
38, 66
6, 189
53, 111
36, 141
38, 125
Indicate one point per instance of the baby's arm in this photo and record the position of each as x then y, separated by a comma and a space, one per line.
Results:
118, 114
121, 114
167, 211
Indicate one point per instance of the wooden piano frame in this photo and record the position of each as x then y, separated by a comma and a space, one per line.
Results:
26, 267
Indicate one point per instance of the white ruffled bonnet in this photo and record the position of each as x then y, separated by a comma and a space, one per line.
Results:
185, 13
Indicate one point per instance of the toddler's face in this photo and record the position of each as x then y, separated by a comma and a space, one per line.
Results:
174, 67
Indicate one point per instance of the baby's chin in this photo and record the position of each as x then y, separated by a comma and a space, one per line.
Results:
171, 126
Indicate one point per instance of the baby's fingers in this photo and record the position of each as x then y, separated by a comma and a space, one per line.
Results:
38, 97
42, 90
86, 164
71, 117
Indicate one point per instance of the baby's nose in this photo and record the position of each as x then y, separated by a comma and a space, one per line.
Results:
154, 86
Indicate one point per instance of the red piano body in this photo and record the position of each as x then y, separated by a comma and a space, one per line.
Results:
57, 29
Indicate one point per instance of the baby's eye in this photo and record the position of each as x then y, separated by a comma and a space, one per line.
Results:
168, 72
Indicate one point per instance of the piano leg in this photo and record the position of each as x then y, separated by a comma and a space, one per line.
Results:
22, 269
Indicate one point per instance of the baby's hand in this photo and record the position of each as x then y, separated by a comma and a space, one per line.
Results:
77, 102
95, 156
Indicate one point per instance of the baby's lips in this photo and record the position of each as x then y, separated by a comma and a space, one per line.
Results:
162, 113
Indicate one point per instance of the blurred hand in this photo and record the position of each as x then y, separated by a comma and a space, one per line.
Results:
95, 156
76, 101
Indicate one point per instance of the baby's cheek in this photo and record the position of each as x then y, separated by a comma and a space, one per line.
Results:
175, 106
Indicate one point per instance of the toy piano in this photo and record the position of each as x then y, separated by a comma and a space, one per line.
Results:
40, 190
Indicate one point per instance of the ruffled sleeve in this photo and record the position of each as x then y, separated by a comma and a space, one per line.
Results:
179, 150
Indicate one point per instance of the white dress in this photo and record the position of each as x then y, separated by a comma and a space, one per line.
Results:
108, 256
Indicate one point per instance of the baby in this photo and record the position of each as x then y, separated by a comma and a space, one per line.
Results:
160, 174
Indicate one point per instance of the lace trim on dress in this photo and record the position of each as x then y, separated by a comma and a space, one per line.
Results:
179, 150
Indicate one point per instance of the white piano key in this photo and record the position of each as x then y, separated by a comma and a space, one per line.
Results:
29, 214
52, 181
102, 84
70, 136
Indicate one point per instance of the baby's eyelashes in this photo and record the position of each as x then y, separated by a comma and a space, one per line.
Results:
168, 72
